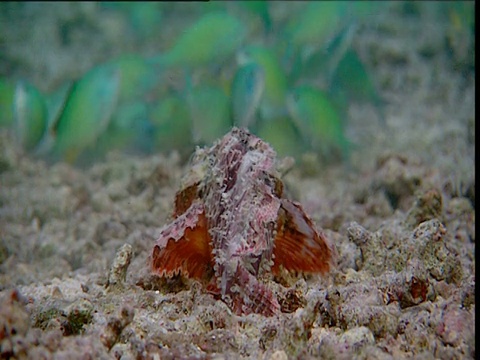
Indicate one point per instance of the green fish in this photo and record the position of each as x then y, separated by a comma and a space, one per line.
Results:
321, 63
352, 82
247, 89
210, 113
311, 29
272, 104
172, 123
259, 8
30, 115
7, 94
129, 130
363, 10
318, 121
212, 39
55, 102
145, 17
87, 112
137, 76
316, 23
282, 134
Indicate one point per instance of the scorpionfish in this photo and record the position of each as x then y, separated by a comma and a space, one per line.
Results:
233, 226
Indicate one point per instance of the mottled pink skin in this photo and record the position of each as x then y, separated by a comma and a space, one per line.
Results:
176, 230
241, 212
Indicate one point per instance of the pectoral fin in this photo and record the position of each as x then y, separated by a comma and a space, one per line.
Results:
298, 245
184, 246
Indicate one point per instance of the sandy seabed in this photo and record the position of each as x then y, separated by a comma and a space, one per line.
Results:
402, 219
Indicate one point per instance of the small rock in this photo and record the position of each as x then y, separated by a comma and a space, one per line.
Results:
111, 333
79, 313
357, 338
398, 177
279, 355
456, 327
428, 206
118, 270
358, 234
14, 319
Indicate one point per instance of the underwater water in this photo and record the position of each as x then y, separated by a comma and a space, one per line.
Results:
369, 107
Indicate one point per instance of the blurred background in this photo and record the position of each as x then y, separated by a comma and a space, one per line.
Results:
80, 80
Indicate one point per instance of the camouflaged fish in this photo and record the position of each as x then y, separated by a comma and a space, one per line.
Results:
232, 226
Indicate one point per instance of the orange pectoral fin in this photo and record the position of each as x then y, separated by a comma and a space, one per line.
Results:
190, 254
298, 245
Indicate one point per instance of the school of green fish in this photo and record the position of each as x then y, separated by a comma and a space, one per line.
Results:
287, 82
